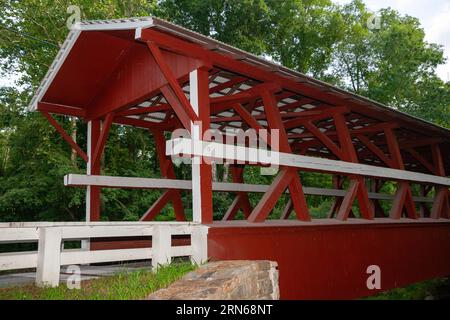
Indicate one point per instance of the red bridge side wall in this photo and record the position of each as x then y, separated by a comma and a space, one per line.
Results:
330, 262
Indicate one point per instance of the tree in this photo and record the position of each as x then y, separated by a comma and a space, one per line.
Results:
392, 64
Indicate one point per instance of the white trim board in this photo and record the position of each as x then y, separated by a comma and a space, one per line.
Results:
77, 180
239, 153
96, 25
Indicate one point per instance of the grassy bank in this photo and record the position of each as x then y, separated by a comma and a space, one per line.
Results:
430, 289
123, 286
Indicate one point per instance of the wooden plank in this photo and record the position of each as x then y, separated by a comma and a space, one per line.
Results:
35, 224
270, 198
105, 231
155, 183
69, 257
18, 260
18, 235
231, 152
348, 200
375, 149
327, 142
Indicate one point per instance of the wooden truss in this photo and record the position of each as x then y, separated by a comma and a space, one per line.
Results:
195, 88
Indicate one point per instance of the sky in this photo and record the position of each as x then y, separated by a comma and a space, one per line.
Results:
434, 16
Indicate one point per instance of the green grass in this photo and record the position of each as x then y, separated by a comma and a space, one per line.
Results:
123, 286
436, 289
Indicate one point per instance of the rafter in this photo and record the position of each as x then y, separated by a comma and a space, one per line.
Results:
173, 92
374, 149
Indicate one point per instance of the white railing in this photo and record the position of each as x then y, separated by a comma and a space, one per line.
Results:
51, 254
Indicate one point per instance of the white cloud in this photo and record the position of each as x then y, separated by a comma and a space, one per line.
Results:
434, 16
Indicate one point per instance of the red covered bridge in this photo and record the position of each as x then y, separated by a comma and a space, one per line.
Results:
151, 74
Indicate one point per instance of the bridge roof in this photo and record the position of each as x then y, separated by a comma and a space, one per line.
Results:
95, 56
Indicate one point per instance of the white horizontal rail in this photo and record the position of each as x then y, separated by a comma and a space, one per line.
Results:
76, 180
49, 257
239, 153
18, 260
69, 257
36, 224
19, 234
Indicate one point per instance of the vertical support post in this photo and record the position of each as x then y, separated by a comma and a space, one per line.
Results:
403, 196
161, 246
199, 244
202, 208
92, 192
49, 257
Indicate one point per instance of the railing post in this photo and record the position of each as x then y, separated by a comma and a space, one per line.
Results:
49, 257
161, 245
199, 244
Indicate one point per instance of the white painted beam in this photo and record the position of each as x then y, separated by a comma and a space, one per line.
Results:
18, 260
69, 257
240, 153
75, 180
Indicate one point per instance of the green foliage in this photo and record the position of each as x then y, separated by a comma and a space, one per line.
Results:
392, 64
417, 291
123, 286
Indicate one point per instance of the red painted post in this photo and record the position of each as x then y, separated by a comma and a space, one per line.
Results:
357, 188
347, 202
403, 196
275, 122
287, 210
103, 136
